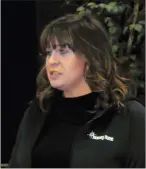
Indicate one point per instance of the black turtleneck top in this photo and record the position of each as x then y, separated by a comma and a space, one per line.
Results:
53, 146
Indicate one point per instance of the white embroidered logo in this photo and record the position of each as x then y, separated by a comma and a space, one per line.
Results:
92, 135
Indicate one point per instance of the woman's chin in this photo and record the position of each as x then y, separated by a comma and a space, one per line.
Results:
57, 86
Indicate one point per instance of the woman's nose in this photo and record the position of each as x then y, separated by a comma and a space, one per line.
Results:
53, 59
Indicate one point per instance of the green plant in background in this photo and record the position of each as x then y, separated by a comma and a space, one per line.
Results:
125, 23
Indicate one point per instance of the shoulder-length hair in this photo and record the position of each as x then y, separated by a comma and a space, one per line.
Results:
86, 35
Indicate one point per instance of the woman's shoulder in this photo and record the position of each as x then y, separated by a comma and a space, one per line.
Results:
135, 112
32, 110
134, 108
136, 125
34, 102
32, 114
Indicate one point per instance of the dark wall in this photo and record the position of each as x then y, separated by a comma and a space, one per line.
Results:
19, 65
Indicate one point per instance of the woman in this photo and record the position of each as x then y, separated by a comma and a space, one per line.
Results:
81, 116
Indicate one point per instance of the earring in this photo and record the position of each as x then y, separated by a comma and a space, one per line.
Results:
87, 67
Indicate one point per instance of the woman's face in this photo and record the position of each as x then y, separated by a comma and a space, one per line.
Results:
65, 69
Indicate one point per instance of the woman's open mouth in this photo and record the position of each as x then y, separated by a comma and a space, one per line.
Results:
54, 75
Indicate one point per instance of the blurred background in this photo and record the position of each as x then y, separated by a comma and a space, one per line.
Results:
22, 23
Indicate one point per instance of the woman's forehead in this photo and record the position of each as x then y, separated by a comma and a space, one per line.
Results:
58, 38
54, 46
53, 43
52, 40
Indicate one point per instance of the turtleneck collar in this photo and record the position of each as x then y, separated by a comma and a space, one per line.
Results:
76, 109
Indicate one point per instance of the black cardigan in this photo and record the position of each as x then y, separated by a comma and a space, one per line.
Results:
112, 139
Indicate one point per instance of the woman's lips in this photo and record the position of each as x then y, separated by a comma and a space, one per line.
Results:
54, 75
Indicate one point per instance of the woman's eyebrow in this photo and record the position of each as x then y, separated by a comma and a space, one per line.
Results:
48, 49
63, 46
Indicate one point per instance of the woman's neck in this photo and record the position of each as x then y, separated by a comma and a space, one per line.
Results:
78, 91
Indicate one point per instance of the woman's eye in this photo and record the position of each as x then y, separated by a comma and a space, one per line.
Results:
63, 52
48, 53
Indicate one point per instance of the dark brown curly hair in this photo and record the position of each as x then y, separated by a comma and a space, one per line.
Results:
86, 35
